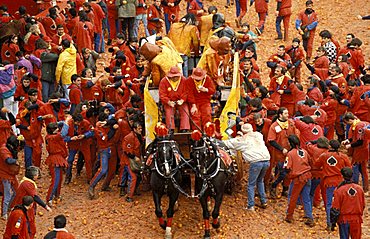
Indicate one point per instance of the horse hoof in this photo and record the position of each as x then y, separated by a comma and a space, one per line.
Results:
163, 226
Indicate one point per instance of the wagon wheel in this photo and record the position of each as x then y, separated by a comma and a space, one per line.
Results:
239, 162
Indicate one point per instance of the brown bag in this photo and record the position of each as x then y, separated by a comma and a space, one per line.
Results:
136, 166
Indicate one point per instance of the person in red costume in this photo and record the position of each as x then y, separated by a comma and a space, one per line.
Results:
79, 139
306, 24
30, 127
18, 224
348, 207
355, 55
315, 149
75, 93
155, 18
9, 168
296, 54
321, 64
51, 21
358, 147
314, 92
358, 100
73, 21
283, 13
60, 36
54, 110
262, 10
280, 58
83, 33
277, 136
309, 130
297, 163
132, 148
56, 160
173, 95
280, 89
28, 187
331, 163
248, 72
59, 231
9, 49
329, 105
200, 88
171, 9
7, 119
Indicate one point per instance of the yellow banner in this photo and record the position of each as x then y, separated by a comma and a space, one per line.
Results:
232, 102
151, 114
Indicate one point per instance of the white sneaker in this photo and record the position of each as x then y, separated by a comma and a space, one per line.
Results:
250, 208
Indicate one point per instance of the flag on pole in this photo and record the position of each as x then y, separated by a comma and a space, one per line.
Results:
151, 114
232, 103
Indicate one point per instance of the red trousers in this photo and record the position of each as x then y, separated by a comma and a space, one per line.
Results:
132, 184
203, 115
37, 151
321, 190
296, 191
261, 19
86, 152
170, 116
308, 44
112, 26
354, 231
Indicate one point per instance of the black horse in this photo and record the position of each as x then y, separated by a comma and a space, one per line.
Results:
211, 177
164, 162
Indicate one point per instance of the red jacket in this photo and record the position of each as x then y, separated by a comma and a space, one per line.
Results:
276, 133
321, 116
198, 97
315, 94
131, 145
308, 19
75, 94
50, 25
315, 153
8, 52
286, 98
81, 129
297, 161
357, 132
84, 35
101, 135
349, 199
358, 105
153, 15
168, 93
99, 15
90, 91
285, 7
331, 164
261, 6
57, 150
296, 54
321, 66
308, 132
5, 131
17, 225
57, 40
330, 106
7, 170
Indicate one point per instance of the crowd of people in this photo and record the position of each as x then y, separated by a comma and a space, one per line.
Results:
54, 94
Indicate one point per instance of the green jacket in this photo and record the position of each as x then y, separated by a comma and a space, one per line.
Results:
126, 8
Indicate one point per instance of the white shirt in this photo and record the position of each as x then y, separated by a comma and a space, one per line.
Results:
251, 145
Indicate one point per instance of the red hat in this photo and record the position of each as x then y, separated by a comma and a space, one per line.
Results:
174, 72
210, 129
198, 74
161, 129
196, 135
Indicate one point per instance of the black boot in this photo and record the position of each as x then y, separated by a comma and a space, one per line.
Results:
68, 180
109, 42
91, 192
273, 192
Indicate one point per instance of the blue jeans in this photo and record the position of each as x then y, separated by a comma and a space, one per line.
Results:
357, 170
99, 42
257, 173
57, 173
103, 170
141, 18
125, 177
71, 158
185, 65
237, 6
314, 184
47, 90
329, 202
9, 194
27, 156
279, 19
